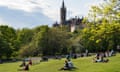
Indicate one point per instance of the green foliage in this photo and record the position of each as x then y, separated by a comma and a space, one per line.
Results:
101, 32
46, 41
24, 36
103, 29
101, 38
7, 39
108, 10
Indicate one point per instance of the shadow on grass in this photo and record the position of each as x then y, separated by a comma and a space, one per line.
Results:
73, 69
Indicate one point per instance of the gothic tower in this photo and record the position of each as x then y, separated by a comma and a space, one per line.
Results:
63, 14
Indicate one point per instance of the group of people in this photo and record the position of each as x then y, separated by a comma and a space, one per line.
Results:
25, 66
68, 65
109, 53
100, 57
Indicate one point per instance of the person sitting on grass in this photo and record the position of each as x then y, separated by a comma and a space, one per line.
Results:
68, 65
26, 68
23, 63
98, 59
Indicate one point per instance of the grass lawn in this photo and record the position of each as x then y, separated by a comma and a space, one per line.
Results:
83, 65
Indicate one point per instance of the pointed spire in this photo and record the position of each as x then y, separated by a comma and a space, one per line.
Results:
63, 4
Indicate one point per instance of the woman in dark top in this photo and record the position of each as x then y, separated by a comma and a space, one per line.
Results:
26, 67
66, 66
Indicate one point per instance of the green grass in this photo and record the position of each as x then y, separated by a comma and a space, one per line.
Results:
83, 65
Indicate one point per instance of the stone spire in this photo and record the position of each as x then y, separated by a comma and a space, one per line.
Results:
63, 14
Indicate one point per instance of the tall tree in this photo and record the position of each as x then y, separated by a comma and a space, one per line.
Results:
8, 37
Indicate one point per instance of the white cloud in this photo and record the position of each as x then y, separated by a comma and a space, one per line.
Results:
50, 8
26, 5
32, 6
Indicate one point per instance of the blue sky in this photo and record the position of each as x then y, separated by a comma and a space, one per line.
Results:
32, 13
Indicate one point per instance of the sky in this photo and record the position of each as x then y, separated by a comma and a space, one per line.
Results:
31, 13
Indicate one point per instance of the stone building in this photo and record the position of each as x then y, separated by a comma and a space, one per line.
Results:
73, 23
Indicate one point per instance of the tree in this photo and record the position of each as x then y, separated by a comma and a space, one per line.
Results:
101, 33
108, 10
24, 37
51, 41
8, 37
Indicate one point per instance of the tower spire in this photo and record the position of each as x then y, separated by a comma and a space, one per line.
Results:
63, 14
63, 4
